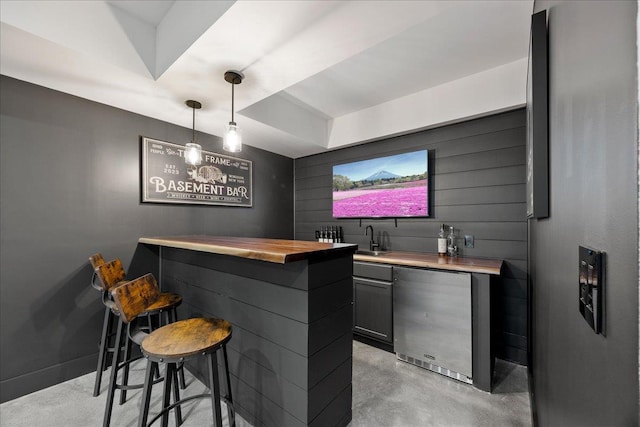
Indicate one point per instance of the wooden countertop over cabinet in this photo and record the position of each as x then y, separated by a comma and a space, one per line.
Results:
426, 260
270, 250
484, 275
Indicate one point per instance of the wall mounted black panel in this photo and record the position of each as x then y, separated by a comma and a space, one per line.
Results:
538, 119
478, 186
70, 188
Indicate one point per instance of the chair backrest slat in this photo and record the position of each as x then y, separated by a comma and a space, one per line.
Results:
110, 274
96, 260
132, 298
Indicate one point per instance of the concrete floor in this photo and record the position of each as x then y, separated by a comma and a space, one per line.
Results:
386, 392
390, 392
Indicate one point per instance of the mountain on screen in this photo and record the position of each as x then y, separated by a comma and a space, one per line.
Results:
381, 175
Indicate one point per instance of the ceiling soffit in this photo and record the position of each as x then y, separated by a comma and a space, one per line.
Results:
319, 74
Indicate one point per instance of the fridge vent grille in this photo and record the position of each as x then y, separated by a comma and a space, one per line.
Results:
435, 368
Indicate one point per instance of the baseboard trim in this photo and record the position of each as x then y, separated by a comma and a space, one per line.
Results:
21, 385
373, 343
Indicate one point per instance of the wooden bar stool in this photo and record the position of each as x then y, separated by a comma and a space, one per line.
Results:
111, 275
174, 344
108, 333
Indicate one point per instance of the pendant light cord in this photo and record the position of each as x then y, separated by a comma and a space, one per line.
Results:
232, 103
193, 135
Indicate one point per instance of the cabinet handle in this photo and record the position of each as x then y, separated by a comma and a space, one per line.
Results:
371, 281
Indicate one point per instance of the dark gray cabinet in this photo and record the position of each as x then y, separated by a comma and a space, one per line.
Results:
373, 301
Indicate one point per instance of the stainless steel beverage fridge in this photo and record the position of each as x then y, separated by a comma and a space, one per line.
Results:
432, 320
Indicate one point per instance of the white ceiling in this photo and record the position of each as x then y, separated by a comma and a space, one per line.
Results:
318, 74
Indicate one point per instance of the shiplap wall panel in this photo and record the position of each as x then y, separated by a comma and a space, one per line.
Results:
496, 140
278, 335
477, 180
480, 161
423, 229
480, 178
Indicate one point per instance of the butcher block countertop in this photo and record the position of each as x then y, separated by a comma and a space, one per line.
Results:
427, 260
271, 250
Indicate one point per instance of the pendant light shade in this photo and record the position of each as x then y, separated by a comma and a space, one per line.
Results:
193, 154
193, 150
232, 136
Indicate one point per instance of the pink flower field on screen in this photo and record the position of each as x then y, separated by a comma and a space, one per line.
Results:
397, 202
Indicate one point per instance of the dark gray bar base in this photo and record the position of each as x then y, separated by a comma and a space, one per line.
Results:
290, 354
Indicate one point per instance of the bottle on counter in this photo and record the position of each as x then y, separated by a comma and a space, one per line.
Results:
452, 249
442, 242
330, 234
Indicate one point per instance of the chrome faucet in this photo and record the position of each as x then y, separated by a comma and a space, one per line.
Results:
373, 245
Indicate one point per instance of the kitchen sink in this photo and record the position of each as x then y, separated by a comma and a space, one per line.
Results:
370, 253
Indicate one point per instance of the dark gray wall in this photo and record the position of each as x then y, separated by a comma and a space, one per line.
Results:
580, 378
70, 188
478, 181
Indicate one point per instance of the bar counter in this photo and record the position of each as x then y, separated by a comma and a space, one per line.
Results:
289, 302
271, 250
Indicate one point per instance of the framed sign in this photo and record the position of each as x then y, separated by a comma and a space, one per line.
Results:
219, 180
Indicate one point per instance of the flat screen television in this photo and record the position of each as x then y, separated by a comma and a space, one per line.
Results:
394, 186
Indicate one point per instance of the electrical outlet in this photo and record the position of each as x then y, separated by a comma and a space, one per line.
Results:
468, 241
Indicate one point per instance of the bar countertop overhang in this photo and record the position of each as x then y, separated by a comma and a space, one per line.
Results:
270, 250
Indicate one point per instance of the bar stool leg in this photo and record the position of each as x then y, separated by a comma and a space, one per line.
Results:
125, 373
150, 322
176, 395
231, 411
146, 393
166, 393
214, 386
104, 337
113, 377
183, 383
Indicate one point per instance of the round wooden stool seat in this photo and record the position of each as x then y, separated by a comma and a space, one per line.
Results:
176, 343
185, 338
165, 300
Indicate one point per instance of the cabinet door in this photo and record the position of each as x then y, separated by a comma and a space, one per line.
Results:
373, 309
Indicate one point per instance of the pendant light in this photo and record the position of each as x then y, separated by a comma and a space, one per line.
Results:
232, 136
193, 150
